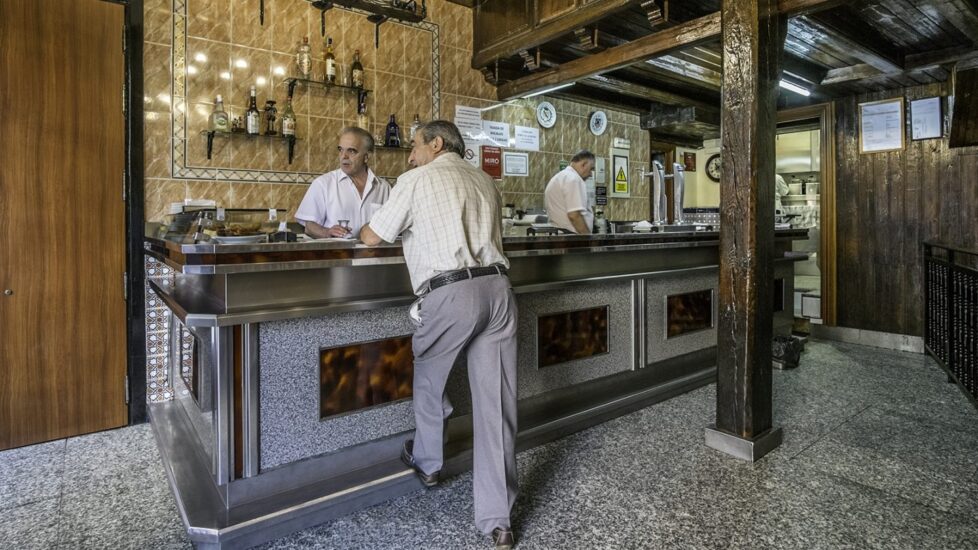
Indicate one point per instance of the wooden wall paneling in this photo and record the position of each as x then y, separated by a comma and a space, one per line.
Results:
551, 9
497, 20
964, 119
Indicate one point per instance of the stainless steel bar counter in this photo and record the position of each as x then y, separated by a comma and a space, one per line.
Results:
296, 396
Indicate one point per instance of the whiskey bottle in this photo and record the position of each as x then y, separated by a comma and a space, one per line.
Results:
330, 59
415, 124
363, 121
303, 58
356, 71
288, 119
219, 117
252, 116
392, 137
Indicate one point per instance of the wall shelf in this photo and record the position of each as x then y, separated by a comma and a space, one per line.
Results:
233, 135
401, 148
311, 83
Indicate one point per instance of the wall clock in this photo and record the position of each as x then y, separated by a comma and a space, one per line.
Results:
598, 122
713, 167
546, 114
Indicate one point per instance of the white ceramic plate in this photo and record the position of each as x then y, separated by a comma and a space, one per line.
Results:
546, 114
243, 239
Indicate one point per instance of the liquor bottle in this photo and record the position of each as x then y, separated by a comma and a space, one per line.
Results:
363, 121
392, 137
303, 58
288, 119
252, 116
356, 71
219, 117
415, 124
270, 115
330, 75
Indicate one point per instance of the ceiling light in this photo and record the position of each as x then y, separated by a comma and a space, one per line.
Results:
794, 88
548, 90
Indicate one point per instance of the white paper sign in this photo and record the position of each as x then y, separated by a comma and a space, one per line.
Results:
469, 121
472, 151
516, 164
881, 126
527, 139
925, 115
497, 133
599, 170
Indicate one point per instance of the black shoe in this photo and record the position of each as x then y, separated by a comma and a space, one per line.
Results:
429, 480
502, 538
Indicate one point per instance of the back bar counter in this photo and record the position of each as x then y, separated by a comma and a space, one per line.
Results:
293, 395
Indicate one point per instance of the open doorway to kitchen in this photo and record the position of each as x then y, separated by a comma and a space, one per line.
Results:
805, 150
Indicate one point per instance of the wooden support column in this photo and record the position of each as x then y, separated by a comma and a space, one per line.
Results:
753, 35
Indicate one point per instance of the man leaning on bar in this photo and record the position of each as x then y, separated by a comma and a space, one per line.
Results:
449, 215
566, 195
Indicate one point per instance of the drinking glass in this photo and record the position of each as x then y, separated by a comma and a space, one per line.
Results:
345, 224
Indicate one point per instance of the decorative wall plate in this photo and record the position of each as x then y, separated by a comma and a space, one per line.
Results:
546, 114
713, 167
598, 122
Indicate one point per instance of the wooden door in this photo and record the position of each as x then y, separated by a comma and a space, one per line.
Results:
62, 219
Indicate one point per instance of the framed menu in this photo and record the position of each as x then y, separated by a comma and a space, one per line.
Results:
881, 126
926, 120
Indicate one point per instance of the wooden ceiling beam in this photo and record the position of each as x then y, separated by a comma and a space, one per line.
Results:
914, 62
548, 31
963, 15
631, 89
689, 33
874, 52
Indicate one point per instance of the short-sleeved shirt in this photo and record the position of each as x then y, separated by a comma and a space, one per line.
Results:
448, 214
333, 197
567, 193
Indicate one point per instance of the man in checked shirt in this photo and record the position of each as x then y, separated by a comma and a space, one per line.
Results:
448, 213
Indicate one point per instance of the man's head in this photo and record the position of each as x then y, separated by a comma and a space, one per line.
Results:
583, 163
433, 139
355, 147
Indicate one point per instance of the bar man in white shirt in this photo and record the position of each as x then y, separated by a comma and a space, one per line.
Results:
566, 195
340, 202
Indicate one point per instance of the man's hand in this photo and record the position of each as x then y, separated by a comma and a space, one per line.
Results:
317, 231
368, 236
338, 231
577, 220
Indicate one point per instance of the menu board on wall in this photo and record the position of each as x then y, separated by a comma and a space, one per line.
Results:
881, 126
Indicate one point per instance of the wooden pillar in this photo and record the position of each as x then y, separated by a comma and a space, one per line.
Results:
753, 35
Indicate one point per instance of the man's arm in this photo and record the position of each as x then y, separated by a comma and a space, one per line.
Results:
577, 220
317, 231
369, 237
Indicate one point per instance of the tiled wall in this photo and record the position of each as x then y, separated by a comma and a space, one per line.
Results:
195, 49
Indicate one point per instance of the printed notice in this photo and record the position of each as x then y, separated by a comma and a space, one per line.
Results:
516, 164
881, 126
527, 139
497, 133
469, 121
925, 117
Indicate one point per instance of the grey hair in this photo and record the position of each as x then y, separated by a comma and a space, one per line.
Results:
583, 154
364, 136
447, 131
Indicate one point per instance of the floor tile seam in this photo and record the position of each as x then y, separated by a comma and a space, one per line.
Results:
831, 429
10, 509
932, 421
59, 511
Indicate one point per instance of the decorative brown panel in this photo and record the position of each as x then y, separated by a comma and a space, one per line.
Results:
496, 20
549, 9
563, 337
364, 374
689, 312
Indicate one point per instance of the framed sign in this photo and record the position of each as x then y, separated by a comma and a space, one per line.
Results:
926, 118
881, 126
689, 161
516, 164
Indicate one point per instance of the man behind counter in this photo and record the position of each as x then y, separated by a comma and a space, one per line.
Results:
351, 194
566, 195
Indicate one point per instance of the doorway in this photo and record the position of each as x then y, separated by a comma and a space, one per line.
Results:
805, 149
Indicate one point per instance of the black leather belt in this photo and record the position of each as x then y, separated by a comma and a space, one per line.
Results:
450, 277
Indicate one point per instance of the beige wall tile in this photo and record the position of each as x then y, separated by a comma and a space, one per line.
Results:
258, 195
246, 29
156, 145
288, 22
156, 77
197, 120
210, 19
158, 194
252, 153
323, 134
208, 70
218, 191
157, 22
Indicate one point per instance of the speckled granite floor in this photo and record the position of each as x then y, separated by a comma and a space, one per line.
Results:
879, 452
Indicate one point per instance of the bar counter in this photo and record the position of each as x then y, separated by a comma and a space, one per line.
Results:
294, 375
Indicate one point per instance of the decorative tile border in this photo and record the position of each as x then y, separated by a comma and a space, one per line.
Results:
159, 387
178, 110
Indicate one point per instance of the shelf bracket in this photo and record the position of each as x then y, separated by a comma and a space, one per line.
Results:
377, 20
322, 6
261, 12
291, 140
210, 144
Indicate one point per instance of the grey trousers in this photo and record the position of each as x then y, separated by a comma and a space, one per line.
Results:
476, 317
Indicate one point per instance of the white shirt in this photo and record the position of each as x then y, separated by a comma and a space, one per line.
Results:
333, 197
449, 215
780, 189
567, 193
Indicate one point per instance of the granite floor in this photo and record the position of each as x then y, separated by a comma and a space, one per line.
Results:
879, 452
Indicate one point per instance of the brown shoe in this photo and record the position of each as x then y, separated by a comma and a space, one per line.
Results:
502, 538
429, 480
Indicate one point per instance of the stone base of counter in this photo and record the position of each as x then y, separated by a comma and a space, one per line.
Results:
301, 494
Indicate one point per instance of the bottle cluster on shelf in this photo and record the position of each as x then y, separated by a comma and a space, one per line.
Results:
268, 122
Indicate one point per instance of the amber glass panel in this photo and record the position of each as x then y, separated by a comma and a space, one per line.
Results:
563, 337
689, 312
364, 374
